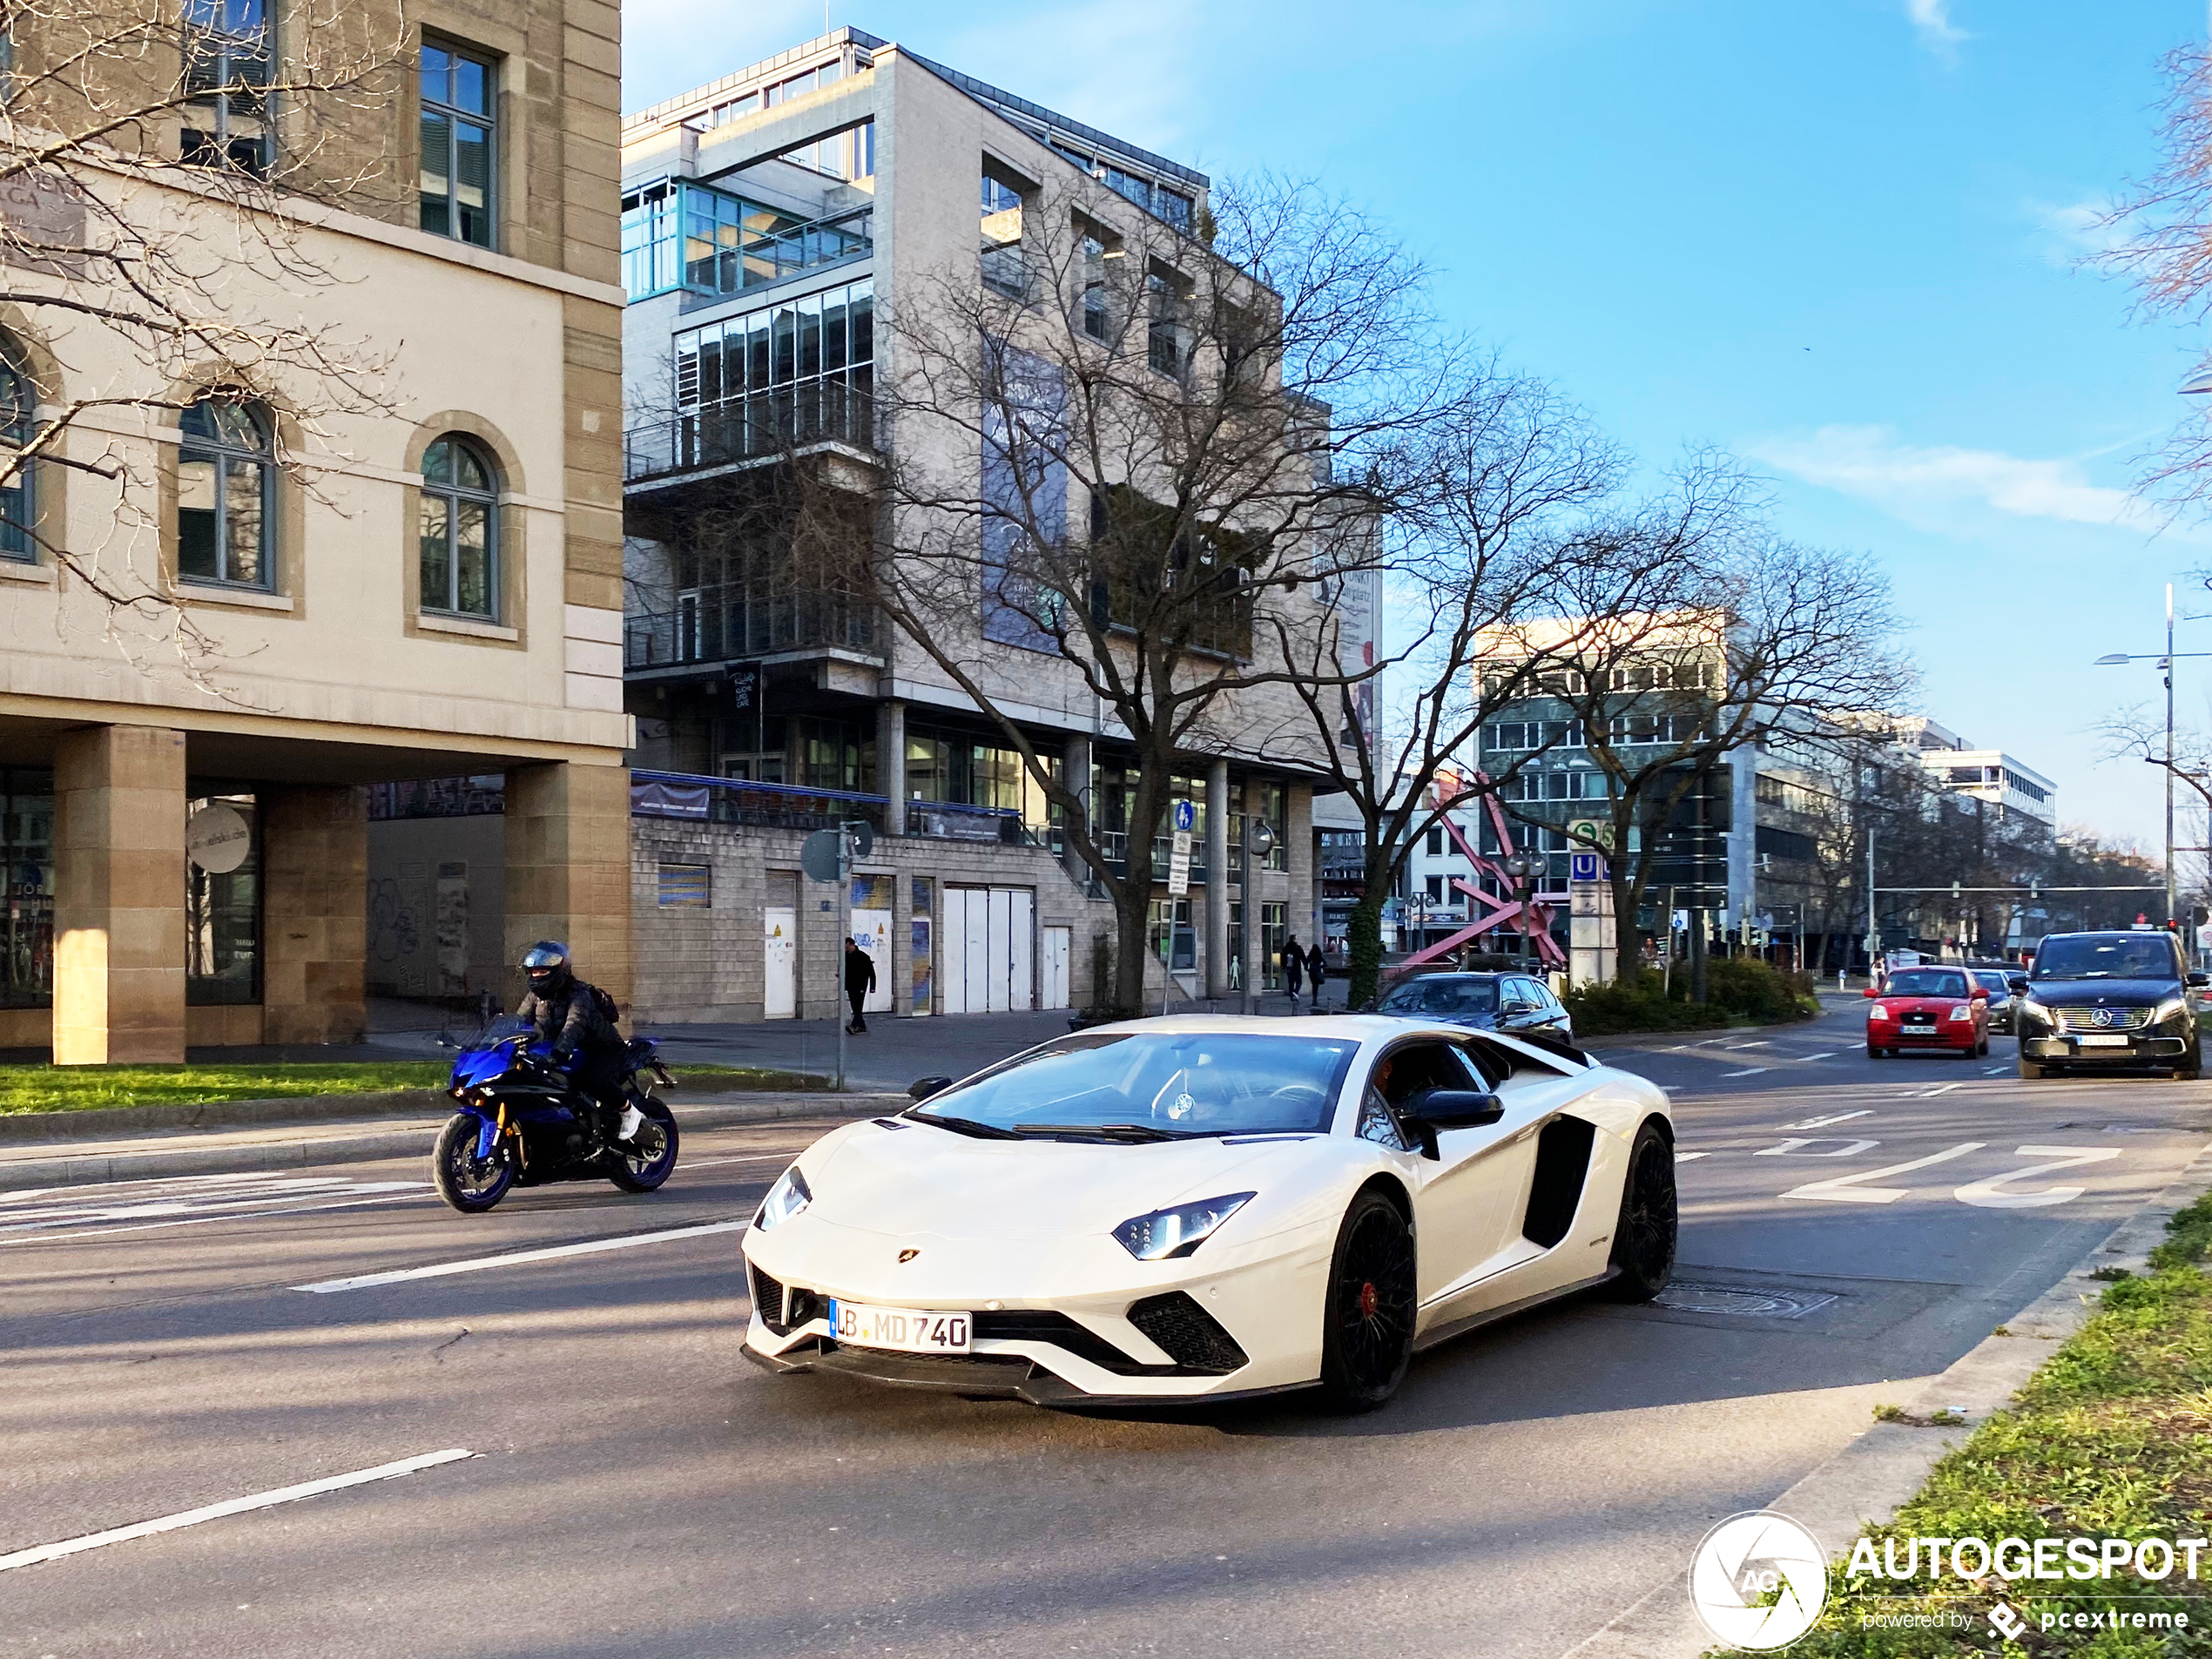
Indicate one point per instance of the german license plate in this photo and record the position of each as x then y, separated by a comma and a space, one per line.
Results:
900, 1330
2104, 1041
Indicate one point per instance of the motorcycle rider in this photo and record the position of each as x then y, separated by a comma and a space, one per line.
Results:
566, 1012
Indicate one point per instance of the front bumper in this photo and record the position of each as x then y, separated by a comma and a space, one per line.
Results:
2141, 1050
1948, 1035
1249, 1323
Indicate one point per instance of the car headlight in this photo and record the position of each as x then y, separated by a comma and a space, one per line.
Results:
2176, 1008
1963, 1011
1166, 1233
786, 1199
2033, 1009
1877, 1012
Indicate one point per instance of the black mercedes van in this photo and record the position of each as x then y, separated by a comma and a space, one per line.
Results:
2108, 1000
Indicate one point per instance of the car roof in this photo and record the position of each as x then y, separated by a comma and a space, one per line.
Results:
1469, 972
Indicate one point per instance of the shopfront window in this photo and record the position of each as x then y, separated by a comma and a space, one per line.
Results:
222, 901
27, 926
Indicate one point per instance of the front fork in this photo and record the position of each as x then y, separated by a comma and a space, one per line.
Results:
490, 1131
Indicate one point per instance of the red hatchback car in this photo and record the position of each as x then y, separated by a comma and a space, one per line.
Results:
1928, 1008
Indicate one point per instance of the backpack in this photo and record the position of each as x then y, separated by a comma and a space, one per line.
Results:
602, 1003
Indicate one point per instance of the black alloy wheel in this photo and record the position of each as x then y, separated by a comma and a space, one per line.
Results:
650, 1158
1367, 1334
466, 1182
1643, 1239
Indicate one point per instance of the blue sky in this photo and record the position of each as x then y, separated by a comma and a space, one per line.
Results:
1836, 239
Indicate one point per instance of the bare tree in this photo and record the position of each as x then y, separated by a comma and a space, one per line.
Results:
1477, 536
163, 165
1754, 637
1126, 463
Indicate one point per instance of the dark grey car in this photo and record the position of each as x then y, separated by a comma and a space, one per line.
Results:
1515, 1002
2106, 1001
1998, 982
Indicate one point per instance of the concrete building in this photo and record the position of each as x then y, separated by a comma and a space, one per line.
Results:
1988, 775
771, 220
422, 579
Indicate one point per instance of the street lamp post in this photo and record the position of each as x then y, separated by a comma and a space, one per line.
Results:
2165, 661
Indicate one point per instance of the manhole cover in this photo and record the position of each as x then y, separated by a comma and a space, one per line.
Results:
1742, 1301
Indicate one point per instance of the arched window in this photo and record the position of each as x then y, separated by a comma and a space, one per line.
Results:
225, 495
18, 406
460, 532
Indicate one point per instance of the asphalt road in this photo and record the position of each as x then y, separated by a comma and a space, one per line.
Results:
636, 1488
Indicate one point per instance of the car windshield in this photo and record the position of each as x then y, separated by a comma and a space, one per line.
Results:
1442, 995
1926, 982
1142, 1087
2090, 956
1994, 980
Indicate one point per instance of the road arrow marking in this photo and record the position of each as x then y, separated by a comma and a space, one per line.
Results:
515, 1259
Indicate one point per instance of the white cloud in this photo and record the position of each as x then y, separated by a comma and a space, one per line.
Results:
1932, 21
2070, 232
1924, 484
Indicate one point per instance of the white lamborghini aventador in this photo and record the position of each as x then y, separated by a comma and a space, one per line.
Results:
1202, 1208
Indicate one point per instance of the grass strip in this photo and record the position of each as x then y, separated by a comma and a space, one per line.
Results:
2111, 1438
78, 1088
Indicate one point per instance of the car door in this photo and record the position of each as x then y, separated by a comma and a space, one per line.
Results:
1451, 1193
1517, 1007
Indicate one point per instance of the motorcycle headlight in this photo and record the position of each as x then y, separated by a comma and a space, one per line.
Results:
1166, 1233
786, 1199
2176, 1008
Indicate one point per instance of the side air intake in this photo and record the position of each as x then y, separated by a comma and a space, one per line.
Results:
1563, 1165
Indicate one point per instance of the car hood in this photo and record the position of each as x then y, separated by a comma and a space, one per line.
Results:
2112, 992
924, 1180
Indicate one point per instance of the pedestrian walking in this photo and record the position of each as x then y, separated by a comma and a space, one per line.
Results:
859, 980
1294, 967
1317, 970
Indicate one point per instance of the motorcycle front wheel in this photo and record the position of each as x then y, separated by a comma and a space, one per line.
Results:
466, 1182
651, 1159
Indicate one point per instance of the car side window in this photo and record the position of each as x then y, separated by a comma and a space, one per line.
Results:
1405, 1072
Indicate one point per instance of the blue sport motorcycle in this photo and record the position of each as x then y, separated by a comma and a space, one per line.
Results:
520, 1123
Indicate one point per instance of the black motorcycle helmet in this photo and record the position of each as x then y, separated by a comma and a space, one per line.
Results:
546, 966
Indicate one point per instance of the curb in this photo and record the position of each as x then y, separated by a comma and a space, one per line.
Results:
208, 1114
25, 1175
1867, 1482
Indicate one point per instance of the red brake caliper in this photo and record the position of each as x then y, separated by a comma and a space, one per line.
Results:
1367, 1300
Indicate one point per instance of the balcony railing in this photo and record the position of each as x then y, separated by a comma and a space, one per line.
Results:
734, 626
756, 427
954, 821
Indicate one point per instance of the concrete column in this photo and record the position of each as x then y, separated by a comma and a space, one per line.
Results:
1074, 771
567, 869
314, 914
1217, 878
1304, 914
119, 896
890, 762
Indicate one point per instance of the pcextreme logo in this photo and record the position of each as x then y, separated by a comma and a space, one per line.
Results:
1758, 1581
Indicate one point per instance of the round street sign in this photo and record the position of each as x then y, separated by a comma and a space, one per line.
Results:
1186, 815
817, 855
217, 839
863, 837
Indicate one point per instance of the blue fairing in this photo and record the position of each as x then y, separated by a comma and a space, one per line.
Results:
493, 1052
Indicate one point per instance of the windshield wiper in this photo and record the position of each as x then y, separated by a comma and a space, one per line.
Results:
964, 1126
1103, 1131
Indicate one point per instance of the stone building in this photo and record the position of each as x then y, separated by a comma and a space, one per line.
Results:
770, 221
404, 568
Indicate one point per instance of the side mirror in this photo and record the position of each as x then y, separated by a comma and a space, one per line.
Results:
1871, 990
2198, 980
1436, 1109
2018, 983
923, 1088
1980, 993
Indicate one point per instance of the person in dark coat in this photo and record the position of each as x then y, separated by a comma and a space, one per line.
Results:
1293, 966
859, 980
1317, 969
566, 1013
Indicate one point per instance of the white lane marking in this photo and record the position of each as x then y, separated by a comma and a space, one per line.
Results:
215, 1205
201, 1221
1991, 1071
1846, 1189
1987, 1195
231, 1507
750, 1157
515, 1259
1831, 1055
1940, 1088
1833, 1118
1847, 1147
1748, 1071
1685, 1157
147, 1183
1764, 1042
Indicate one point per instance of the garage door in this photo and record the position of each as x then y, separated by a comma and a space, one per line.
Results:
988, 945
